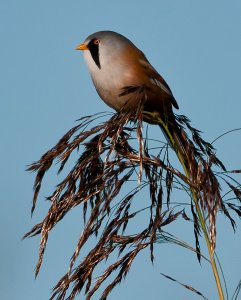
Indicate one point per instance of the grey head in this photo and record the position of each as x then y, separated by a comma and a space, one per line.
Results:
105, 46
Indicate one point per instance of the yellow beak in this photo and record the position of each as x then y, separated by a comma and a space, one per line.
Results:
81, 47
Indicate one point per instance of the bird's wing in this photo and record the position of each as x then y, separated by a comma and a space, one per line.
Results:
156, 79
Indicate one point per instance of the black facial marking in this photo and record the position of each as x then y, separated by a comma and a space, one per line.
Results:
94, 51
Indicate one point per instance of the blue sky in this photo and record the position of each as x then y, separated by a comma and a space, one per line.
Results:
45, 87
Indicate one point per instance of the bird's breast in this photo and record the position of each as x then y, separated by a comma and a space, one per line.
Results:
110, 79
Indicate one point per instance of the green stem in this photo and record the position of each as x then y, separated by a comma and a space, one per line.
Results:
208, 243
200, 214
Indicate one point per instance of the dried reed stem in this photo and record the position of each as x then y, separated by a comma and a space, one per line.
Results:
107, 162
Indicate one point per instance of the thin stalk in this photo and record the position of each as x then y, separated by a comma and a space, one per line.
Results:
200, 214
212, 259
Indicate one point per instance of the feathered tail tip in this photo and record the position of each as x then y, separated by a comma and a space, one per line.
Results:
199, 158
110, 157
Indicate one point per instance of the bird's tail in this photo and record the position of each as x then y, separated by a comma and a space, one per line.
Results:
191, 154
181, 144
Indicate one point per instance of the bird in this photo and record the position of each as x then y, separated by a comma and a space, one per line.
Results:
123, 77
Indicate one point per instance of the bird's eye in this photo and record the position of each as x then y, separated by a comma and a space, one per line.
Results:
96, 42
